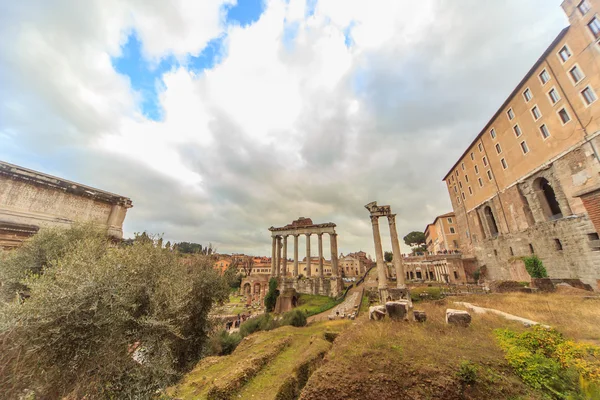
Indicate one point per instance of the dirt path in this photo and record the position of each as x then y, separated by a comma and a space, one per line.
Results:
511, 317
350, 304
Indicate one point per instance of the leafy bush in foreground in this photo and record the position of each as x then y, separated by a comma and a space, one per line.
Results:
535, 267
295, 318
101, 321
546, 361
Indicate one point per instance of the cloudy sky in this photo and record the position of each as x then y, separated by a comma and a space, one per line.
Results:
220, 118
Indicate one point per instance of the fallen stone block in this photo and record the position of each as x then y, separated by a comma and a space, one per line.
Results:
458, 317
397, 310
419, 316
377, 312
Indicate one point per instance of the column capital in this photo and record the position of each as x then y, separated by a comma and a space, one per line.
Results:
391, 217
374, 219
308, 234
333, 234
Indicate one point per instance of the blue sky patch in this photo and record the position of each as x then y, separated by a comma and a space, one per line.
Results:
245, 12
209, 57
145, 77
311, 6
348, 34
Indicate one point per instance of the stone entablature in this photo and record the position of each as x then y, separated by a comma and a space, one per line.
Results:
301, 226
30, 200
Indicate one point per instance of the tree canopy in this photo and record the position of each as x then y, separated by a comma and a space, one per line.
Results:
388, 256
414, 238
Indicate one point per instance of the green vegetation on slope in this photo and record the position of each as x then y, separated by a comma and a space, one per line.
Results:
315, 304
265, 365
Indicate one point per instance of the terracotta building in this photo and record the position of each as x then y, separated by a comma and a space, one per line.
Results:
442, 235
30, 200
529, 183
354, 264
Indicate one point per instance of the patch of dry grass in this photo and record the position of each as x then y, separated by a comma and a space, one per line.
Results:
391, 360
576, 317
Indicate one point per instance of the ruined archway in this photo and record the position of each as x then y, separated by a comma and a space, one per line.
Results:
547, 198
491, 221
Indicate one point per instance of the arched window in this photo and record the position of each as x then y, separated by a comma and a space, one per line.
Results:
547, 198
491, 221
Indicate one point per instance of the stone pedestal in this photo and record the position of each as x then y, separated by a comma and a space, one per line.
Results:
397, 310
458, 317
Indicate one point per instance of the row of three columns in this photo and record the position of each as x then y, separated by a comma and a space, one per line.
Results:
280, 242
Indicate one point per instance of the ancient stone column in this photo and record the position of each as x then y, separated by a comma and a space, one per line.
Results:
320, 236
379, 254
273, 256
279, 255
334, 257
308, 254
295, 255
284, 268
400, 283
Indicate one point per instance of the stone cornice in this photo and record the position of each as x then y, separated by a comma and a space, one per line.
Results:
44, 180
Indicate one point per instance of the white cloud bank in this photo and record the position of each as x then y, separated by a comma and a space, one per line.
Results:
291, 122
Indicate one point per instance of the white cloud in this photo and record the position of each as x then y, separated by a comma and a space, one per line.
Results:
290, 122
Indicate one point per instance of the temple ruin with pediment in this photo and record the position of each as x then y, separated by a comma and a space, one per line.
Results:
288, 275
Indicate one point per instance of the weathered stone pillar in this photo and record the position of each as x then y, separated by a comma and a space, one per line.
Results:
320, 236
295, 255
400, 283
279, 255
273, 256
379, 254
334, 257
284, 269
308, 254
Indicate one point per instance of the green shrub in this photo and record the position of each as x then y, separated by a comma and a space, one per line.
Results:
426, 293
223, 343
467, 373
271, 296
535, 267
264, 322
95, 309
295, 318
546, 361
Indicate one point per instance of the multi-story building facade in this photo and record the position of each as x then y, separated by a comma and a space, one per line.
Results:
442, 235
530, 181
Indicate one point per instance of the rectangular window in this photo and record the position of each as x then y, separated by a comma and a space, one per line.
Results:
544, 131
462, 166
517, 130
493, 133
463, 195
498, 148
564, 53
583, 7
554, 97
564, 116
527, 95
588, 95
576, 74
470, 191
456, 172
458, 199
524, 147
544, 77
476, 170
472, 156
455, 190
452, 230
480, 182
449, 220
594, 26
466, 178
535, 111
510, 114
484, 161
489, 174
504, 164
480, 147
460, 184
